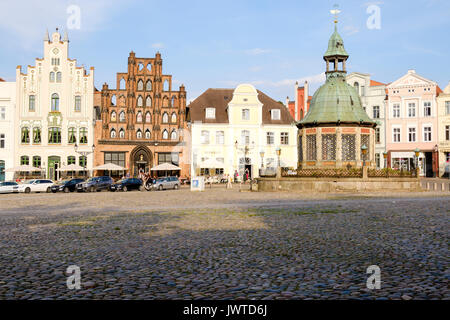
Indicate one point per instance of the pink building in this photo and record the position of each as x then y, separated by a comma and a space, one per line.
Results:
411, 122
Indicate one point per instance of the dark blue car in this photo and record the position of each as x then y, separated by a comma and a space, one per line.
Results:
66, 186
127, 184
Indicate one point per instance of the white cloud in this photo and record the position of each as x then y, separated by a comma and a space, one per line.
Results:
349, 30
158, 45
257, 51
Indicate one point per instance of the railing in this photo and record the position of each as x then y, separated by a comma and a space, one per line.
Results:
391, 173
323, 173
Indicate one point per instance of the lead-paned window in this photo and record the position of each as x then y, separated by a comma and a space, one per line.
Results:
311, 147
329, 147
348, 147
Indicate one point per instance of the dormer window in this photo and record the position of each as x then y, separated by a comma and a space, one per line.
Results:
210, 113
275, 114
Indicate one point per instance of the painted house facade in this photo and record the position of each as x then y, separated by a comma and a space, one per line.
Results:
7, 124
443, 105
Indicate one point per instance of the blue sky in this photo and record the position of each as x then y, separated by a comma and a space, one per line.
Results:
218, 44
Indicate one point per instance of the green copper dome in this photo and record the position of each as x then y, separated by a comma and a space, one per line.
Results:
335, 45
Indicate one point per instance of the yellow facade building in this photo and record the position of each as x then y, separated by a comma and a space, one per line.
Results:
443, 103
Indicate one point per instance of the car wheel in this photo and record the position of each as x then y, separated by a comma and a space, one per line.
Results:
66, 190
125, 189
148, 187
160, 188
92, 189
49, 190
176, 187
27, 190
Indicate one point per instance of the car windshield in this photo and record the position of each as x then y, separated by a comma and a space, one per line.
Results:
92, 179
63, 182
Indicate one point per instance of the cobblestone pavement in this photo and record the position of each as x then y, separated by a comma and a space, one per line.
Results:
224, 244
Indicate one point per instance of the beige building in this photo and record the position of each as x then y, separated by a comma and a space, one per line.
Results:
443, 105
239, 130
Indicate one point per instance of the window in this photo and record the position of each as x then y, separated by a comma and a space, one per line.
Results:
2, 113
77, 103
115, 158
2, 141
447, 133
148, 101
311, 148
172, 158
165, 135
411, 110
139, 134
411, 134
447, 107
356, 85
52, 77
396, 111
25, 135
113, 100
284, 138
348, 147
139, 117
121, 133
173, 135
58, 77
427, 109
210, 113
174, 118
377, 135
166, 85
71, 160
148, 117
112, 134
140, 85
427, 134
396, 134
329, 147
122, 116
377, 160
72, 135
113, 116
275, 114
55, 61
270, 138
122, 84
220, 137
165, 118
148, 134
36, 161
55, 102
148, 85
31, 103
24, 160
205, 137
82, 161
365, 140
245, 114
376, 112
245, 137
83, 135
140, 101
54, 135
36, 135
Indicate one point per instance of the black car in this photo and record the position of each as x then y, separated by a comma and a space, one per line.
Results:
66, 186
95, 184
127, 184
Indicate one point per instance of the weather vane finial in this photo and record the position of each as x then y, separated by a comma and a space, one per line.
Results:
335, 12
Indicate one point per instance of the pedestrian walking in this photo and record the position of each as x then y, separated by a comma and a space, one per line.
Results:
229, 184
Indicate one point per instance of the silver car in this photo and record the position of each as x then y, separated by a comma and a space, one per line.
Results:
9, 187
166, 183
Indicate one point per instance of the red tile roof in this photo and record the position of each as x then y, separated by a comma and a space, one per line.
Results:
438, 90
1, 80
376, 83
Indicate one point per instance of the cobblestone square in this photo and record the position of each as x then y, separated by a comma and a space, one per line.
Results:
224, 244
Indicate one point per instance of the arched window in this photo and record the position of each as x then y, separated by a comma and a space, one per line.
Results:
113, 100
32, 103
83, 135
71, 160
166, 85
141, 66
165, 102
165, 135
245, 137
58, 77
54, 135
148, 86
148, 117
122, 116
173, 135
121, 133
113, 116
36, 135
140, 101
204, 137
301, 114
72, 135
149, 67
36, 161
25, 135
139, 117
122, 84
165, 118
148, 135
174, 118
173, 101
356, 85
77, 103
112, 134
55, 102
52, 76
139, 134
24, 160
148, 101
140, 85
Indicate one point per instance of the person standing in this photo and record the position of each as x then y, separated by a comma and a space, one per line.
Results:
229, 184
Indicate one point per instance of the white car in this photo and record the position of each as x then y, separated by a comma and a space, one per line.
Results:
9, 187
36, 185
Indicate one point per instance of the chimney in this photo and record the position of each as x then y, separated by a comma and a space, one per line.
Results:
287, 103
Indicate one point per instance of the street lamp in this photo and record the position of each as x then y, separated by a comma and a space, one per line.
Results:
261, 153
84, 154
385, 154
364, 151
279, 154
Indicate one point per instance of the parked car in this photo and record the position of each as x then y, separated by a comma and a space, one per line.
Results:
66, 186
36, 185
166, 183
9, 187
127, 184
95, 184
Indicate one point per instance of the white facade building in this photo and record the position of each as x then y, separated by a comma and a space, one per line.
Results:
373, 99
7, 117
54, 110
239, 130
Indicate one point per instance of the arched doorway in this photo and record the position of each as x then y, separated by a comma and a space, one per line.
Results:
140, 159
54, 163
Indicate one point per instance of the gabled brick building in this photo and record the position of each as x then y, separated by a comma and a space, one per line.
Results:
143, 121
300, 106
